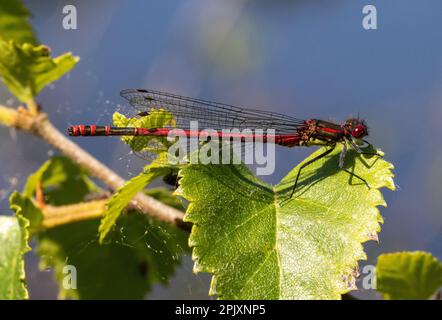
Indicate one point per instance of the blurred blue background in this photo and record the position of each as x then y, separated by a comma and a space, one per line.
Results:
307, 59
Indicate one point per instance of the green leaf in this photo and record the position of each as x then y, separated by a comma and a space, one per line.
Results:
27, 69
166, 197
155, 119
23, 206
125, 194
14, 244
140, 253
158, 167
408, 275
14, 237
14, 23
258, 244
62, 181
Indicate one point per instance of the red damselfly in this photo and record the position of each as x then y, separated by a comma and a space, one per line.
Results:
288, 131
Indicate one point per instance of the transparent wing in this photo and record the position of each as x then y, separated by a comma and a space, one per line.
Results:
210, 115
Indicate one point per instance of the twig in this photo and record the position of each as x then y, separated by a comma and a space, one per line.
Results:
60, 215
40, 126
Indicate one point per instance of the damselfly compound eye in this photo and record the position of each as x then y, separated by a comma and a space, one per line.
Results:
359, 131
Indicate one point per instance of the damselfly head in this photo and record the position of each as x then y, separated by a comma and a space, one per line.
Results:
356, 128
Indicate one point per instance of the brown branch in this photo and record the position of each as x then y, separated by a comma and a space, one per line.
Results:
40, 126
60, 215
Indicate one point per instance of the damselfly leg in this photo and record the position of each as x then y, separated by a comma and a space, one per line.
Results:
328, 151
342, 163
360, 151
